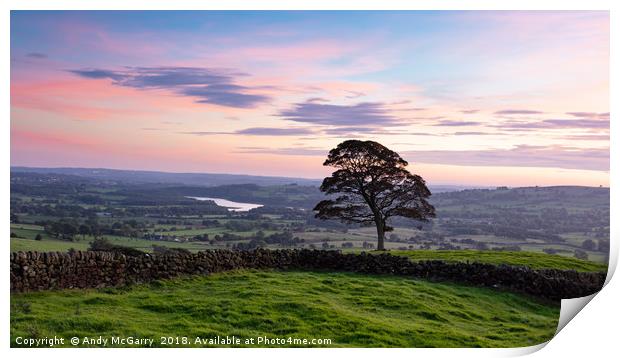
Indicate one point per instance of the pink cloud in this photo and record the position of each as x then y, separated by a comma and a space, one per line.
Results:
87, 99
79, 99
30, 139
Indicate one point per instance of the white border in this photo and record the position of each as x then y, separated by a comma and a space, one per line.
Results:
592, 331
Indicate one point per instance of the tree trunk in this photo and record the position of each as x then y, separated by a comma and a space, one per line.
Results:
380, 235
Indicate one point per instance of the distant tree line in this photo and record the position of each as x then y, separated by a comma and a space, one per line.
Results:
283, 239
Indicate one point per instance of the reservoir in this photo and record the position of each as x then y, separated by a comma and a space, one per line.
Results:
230, 205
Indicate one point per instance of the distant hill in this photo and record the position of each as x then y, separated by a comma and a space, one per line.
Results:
197, 179
573, 197
141, 176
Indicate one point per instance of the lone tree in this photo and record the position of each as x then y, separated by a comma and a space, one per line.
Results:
372, 185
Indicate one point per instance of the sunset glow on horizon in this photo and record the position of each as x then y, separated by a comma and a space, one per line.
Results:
467, 97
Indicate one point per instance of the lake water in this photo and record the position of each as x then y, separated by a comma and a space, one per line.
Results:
230, 205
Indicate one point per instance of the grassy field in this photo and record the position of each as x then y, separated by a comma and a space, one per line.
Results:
530, 259
18, 244
350, 309
27, 233
46, 245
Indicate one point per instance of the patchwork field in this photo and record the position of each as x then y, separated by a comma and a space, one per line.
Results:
351, 310
69, 210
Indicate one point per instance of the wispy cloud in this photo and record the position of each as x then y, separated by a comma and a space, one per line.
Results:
576, 123
275, 131
410, 109
284, 151
517, 112
519, 156
355, 94
338, 132
347, 132
555, 124
589, 115
351, 130
260, 131
361, 114
214, 86
225, 95
592, 137
37, 55
317, 99
474, 133
449, 123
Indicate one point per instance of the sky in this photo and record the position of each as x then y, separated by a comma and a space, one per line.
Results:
466, 97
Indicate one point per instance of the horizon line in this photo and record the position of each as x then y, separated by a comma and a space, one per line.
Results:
299, 178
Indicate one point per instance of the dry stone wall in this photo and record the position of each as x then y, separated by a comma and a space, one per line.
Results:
32, 271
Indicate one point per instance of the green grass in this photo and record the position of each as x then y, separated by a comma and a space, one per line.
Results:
26, 226
352, 310
530, 259
46, 245
27, 233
